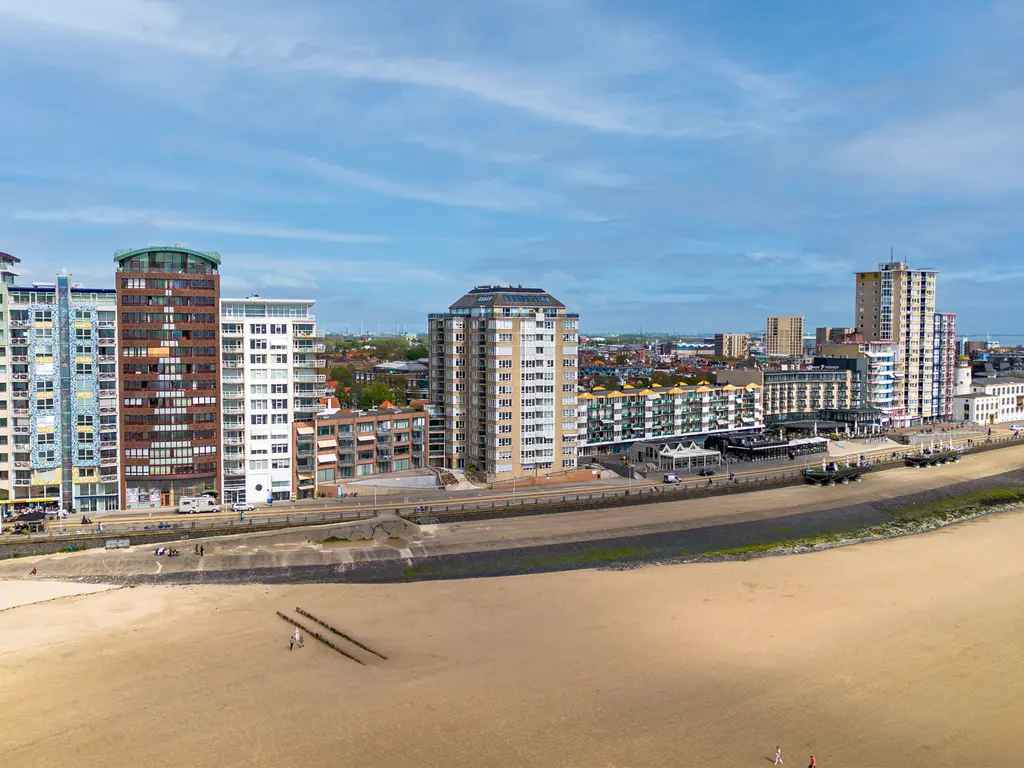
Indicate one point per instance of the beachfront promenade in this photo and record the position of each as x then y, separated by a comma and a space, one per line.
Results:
302, 547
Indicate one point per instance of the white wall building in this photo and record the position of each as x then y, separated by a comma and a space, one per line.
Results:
997, 400
271, 375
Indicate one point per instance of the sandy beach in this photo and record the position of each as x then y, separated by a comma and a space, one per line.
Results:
896, 653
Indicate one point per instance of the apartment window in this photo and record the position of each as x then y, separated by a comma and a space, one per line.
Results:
279, 405
46, 385
365, 426
83, 369
258, 418
280, 359
258, 389
84, 419
280, 464
258, 359
86, 454
326, 475
44, 403
47, 456
46, 438
256, 464
324, 431
83, 334
279, 448
258, 328
278, 328
279, 389
257, 343
259, 405
279, 418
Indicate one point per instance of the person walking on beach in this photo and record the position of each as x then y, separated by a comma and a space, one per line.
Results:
291, 642
197, 549
202, 551
301, 643
297, 638
778, 755
814, 763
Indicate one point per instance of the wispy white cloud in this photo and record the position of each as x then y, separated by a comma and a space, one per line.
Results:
489, 195
119, 217
580, 85
965, 151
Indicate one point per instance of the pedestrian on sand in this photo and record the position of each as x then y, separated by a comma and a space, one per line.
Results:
202, 551
778, 755
814, 763
33, 571
297, 638
301, 643
197, 549
291, 642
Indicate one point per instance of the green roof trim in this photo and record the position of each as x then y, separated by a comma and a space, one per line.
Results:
211, 256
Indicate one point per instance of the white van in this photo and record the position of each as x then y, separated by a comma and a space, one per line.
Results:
190, 505
671, 478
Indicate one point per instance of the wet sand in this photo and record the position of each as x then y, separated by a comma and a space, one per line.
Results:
898, 653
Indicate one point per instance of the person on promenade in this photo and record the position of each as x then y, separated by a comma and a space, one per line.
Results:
778, 755
202, 551
197, 549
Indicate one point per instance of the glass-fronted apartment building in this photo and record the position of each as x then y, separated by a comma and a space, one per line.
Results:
169, 351
272, 358
611, 421
61, 386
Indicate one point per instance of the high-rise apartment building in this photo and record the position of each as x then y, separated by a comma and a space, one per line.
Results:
784, 336
733, 345
169, 355
503, 367
62, 385
272, 359
896, 304
944, 366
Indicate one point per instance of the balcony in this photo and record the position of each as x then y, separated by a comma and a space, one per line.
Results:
108, 358
234, 441
315, 334
106, 324
319, 363
22, 481
234, 471
232, 376
318, 378
18, 376
107, 375
23, 463
234, 409
233, 364
19, 358
108, 461
19, 322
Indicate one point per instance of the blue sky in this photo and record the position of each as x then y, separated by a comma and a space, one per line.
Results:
665, 164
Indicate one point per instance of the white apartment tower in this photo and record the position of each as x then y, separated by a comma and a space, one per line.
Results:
272, 375
504, 369
896, 304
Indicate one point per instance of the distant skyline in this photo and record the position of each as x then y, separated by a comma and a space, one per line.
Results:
651, 163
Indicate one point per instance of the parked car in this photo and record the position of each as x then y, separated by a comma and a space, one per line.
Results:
242, 506
706, 472
671, 478
1017, 428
